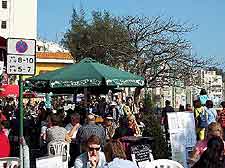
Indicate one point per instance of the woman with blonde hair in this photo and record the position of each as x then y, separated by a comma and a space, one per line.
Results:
116, 156
214, 130
133, 125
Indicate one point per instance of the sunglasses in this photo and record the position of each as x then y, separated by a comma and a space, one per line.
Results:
92, 149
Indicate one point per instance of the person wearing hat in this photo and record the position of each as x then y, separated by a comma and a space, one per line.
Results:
109, 128
114, 112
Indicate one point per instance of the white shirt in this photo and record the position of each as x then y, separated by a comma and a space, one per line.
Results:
69, 127
120, 163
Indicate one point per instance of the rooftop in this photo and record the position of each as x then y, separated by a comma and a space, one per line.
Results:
54, 55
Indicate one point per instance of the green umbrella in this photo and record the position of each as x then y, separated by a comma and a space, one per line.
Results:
89, 73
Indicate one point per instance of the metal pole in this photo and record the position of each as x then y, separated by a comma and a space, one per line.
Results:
21, 118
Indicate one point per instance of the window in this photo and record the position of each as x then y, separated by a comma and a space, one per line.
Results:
3, 25
4, 4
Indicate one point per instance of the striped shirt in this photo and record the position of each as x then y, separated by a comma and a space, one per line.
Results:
90, 129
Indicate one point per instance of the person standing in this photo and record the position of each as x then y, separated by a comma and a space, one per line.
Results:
221, 117
203, 97
109, 127
164, 118
210, 112
198, 110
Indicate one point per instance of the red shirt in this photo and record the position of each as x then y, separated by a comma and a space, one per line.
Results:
2, 117
4, 145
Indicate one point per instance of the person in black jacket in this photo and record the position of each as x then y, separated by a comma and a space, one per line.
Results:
164, 120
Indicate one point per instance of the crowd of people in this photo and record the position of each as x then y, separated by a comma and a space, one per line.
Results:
95, 129
209, 151
89, 129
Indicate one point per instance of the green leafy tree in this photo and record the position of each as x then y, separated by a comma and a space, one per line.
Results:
104, 38
155, 48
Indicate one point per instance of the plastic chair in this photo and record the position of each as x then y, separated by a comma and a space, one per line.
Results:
9, 162
59, 148
164, 163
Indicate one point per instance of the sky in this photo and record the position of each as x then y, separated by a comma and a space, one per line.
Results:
209, 16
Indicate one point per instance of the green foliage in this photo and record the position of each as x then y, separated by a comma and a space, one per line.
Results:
153, 129
155, 48
103, 38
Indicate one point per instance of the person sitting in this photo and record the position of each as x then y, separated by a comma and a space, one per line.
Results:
56, 132
133, 125
72, 129
213, 156
123, 130
116, 156
93, 157
214, 129
91, 128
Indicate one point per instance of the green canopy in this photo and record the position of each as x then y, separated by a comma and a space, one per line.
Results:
89, 73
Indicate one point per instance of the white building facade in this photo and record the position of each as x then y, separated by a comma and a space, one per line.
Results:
18, 19
213, 84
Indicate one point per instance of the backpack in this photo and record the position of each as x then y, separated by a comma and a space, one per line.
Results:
203, 119
203, 99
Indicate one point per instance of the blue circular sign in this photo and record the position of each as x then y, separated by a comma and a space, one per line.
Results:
21, 46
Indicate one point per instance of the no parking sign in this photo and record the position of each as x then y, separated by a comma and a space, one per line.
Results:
21, 56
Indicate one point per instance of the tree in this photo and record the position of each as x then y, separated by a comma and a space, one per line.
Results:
155, 48
104, 38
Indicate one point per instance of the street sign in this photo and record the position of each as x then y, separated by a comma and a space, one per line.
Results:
21, 56
20, 64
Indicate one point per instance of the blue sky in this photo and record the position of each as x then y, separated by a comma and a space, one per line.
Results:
209, 15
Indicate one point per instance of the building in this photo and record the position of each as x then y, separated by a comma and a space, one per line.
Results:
50, 61
51, 56
49, 46
213, 84
18, 19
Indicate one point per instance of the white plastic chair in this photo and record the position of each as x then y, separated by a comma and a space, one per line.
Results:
59, 148
164, 163
9, 162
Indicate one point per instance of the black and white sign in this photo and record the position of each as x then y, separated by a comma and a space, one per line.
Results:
141, 154
20, 64
21, 56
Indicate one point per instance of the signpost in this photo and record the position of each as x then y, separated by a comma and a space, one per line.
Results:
21, 60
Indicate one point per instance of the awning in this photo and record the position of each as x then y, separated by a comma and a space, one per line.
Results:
9, 91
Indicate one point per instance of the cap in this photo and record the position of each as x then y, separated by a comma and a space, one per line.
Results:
113, 103
109, 117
